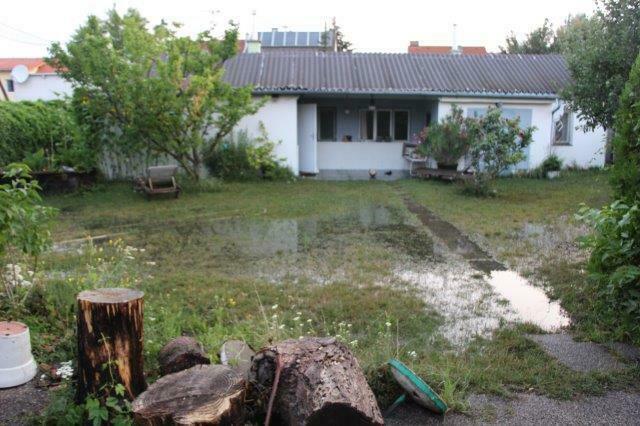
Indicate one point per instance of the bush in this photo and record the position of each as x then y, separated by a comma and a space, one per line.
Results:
625, 177
614, 266
44, 135
241, 158
499, 144
449, 140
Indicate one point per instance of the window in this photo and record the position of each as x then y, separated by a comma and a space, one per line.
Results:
401, 125
366, 125
326, 124
384, 125
562, 134
10, 87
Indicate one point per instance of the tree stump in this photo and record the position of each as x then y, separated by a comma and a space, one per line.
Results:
321, 383
181, 353
200, 395
110, 341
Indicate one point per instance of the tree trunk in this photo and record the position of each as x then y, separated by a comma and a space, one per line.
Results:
202, 395
110, 341
320, 383
181, 353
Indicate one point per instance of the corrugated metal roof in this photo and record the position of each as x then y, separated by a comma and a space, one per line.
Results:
383, 73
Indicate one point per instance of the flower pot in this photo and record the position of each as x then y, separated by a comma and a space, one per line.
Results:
17, 365
552, 174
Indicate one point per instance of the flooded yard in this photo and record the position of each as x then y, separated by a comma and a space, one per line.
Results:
378, 265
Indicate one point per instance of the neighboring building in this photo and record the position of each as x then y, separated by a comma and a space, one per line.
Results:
414, 47
339, 115
43, 83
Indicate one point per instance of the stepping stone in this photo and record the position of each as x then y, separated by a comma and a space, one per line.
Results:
585, 357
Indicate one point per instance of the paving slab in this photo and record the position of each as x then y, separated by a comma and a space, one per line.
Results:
584, 357
529, 409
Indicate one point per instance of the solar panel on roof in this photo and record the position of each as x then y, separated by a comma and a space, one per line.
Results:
303, 39
314, 39
279, 40
265, 38
290, 39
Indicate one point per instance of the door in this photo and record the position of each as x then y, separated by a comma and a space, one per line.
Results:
307, 140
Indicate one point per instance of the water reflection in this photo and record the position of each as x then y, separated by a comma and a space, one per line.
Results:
531, 304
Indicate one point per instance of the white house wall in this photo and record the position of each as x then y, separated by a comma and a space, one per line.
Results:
360, 156
586, 149
44, 87
280, 118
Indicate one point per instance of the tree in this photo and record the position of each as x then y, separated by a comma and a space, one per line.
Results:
600, 52
342, 44
625, 177
139, 90
539, 41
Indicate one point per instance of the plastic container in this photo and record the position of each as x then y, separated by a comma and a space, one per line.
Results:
17, 365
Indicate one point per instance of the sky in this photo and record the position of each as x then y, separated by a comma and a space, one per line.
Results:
27, 27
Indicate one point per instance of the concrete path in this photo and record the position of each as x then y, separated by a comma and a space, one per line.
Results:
613, 408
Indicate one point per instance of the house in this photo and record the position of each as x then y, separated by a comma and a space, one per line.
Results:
338, 115
41, 80
415, 48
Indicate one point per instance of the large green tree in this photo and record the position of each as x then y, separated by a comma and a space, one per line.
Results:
541, 40
141, 90
600, 51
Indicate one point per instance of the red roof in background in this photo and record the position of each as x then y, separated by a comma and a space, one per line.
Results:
443, 50
35, 65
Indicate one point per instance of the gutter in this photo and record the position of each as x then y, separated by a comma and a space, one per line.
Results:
299, 92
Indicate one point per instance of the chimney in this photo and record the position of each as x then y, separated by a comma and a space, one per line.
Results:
253, 46
414, 44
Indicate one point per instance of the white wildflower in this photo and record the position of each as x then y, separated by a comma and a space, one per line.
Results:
296, 318
151, 263
274, 307
413, 354
388, 324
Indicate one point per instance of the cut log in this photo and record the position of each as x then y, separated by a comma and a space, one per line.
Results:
181, 353
200, 395
110, 341
321, 383
238, 355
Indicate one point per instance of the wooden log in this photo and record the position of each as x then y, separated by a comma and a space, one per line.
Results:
320, 383
237, 354
181, 353
110, 341
200, 395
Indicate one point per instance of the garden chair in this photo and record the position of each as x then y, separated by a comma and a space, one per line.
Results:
161, 180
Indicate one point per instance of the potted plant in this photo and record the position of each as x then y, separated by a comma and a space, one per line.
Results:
446, 142
551, 166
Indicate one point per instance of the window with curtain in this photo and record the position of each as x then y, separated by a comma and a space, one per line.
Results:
384, 125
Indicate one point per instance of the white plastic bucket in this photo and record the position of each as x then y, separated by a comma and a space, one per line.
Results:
17, 365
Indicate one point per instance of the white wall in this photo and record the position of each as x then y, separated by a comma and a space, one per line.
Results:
280, 118
380, 156
540, 118
42, 87
586, 149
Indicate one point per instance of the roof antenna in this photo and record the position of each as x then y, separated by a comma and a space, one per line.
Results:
253, 25
455, 49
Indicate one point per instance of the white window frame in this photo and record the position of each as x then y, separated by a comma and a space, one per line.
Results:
569, 139
392, 124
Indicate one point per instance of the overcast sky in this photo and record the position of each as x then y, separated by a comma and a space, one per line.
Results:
28, 26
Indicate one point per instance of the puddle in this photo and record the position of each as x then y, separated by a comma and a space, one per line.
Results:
530, 304
80, 243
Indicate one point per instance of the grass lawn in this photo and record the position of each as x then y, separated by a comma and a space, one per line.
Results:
269, 261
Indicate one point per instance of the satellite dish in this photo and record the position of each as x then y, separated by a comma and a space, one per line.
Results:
20, 73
